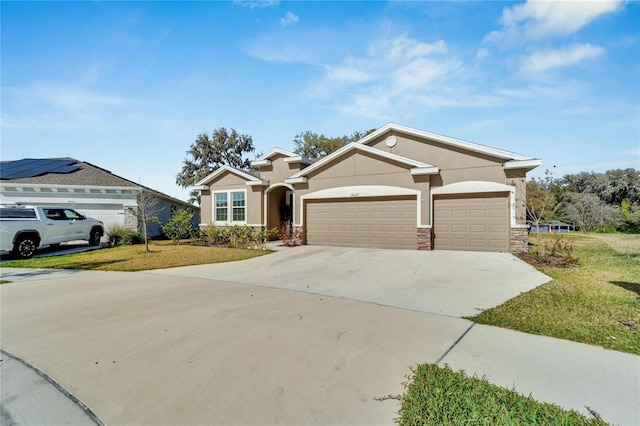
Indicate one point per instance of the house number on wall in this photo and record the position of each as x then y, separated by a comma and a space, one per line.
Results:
355, 195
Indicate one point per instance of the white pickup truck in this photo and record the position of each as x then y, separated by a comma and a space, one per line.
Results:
23, 229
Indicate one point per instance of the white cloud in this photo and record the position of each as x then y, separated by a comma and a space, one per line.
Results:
536, 19
421, 72
257, 3
553, 58
484, 124
66, 107
563, 90
403, 48
271, 50
579, 110
289, 18
347, 74
68, 97
397, 74
481, 54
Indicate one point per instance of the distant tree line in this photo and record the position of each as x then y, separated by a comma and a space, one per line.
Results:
589, 201
313, 146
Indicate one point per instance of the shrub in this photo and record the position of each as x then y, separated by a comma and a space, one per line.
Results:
555, 251
285, 234
236, 236
265, 235
212, 235
121, 236
179, 226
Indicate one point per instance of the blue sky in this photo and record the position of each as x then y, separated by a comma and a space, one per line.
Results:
128, 86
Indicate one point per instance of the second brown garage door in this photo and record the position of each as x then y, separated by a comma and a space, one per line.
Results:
365, 222
471, 222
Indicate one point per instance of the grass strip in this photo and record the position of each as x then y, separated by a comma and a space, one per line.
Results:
440, 396
597, 302
163, 254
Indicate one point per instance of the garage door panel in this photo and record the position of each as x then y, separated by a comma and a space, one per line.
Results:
476, 213
472, 222
459, 228
495, 229
478, 228
407, 228
392, 228
459, 214
377, 222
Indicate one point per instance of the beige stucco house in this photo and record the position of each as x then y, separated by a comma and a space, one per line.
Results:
397, 187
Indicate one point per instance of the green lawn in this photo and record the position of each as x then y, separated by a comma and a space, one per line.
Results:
163, 254
440, 396
597, 302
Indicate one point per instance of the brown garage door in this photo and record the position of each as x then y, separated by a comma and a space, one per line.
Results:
471, 222
366, 222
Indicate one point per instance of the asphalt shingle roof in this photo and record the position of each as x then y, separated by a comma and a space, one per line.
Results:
86, 175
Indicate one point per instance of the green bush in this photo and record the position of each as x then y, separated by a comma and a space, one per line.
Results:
121, 236
236, 236
179, 226
212, 235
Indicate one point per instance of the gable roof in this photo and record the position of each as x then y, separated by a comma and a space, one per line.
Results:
418, 167
263, 160
251, 180
81, 174
458, 143
30, 167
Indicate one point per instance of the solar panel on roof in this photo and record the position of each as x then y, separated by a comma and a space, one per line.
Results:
67, 169
31, 167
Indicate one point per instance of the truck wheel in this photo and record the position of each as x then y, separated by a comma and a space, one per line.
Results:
94, 237
25, 247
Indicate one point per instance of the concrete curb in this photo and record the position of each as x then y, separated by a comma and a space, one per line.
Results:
75, 400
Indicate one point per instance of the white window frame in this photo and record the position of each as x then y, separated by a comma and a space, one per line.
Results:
229, 193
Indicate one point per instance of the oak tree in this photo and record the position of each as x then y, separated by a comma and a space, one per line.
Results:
209, 152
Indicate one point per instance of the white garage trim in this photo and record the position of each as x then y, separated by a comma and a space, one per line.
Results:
477, 186
361, 191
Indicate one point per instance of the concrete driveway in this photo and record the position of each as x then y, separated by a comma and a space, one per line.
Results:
287, 339
142, 348
453, 283
280, 339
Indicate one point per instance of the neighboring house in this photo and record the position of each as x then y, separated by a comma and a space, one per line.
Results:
552, 226
91, 190
397, 187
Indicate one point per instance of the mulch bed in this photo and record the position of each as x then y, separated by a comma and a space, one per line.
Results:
548, 261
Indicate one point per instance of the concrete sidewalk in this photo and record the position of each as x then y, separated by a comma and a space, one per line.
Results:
569, 374
30, 397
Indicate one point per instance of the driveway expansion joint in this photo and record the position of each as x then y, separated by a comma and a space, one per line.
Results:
56, 385
454, 344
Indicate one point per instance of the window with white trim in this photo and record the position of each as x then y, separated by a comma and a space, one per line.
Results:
221, 207
238, 206
229, 207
